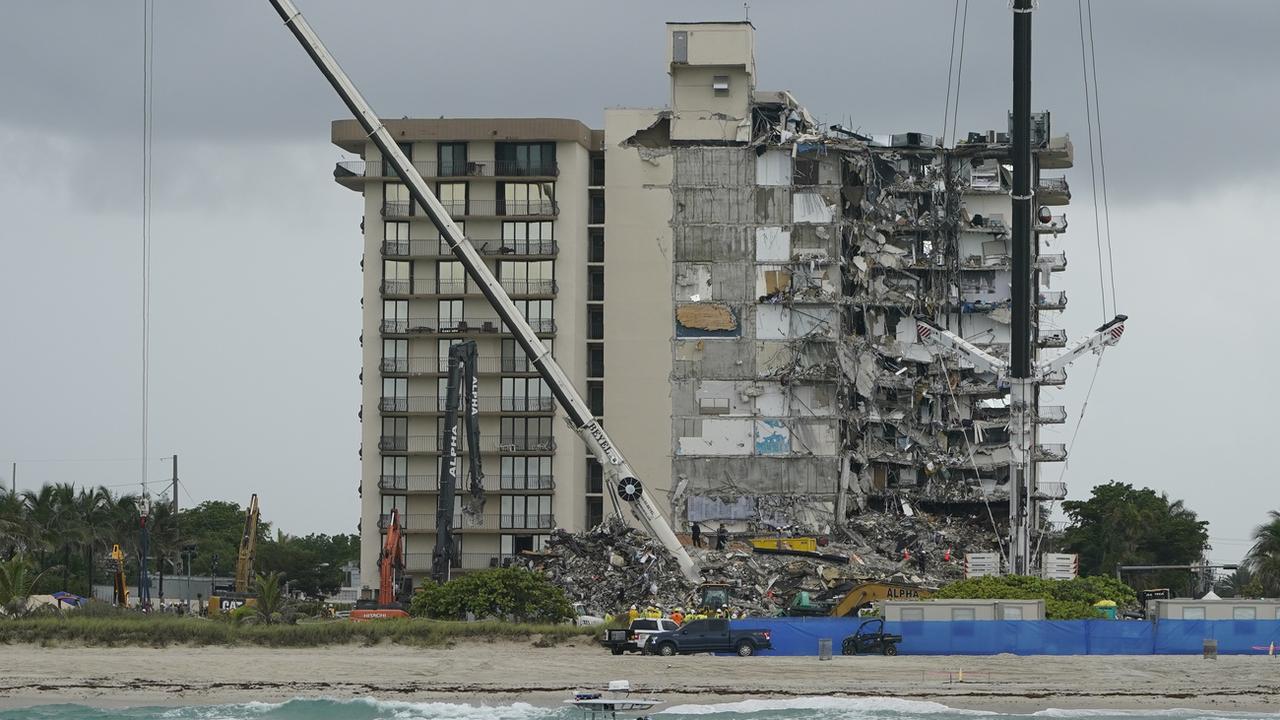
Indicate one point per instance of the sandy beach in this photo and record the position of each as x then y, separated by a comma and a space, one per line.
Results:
501, 672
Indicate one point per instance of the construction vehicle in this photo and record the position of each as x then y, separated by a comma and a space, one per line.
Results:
855, 599
120, 595
227, 598
619, 477
389, 604
462, 382
870, 639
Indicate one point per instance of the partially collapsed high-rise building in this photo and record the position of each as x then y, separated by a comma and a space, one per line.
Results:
733, 284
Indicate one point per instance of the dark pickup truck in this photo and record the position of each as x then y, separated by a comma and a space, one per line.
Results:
711, 635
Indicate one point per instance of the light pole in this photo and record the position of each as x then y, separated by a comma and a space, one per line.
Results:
144, 581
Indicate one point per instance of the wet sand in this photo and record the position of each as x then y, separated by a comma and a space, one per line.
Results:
503, 672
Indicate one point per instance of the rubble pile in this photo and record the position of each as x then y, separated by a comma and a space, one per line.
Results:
614, 566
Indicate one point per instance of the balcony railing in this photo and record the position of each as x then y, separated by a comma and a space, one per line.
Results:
431, 444
433, 169
1055, 262
477, 208
1054, 378
1050, 452
530, 287
420, 563
1051, 414
1057, 224
438, 248
1051, 300
1050, 338
436, 326
492, 483
486, 403
486, 521
1052, 490
527, 443
486, 364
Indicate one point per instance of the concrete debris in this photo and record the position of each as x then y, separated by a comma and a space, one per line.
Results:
614, 566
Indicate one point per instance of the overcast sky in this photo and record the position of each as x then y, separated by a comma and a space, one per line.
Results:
256, 284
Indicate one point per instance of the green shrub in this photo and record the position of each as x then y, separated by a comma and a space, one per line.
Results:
1064, 599
499, 593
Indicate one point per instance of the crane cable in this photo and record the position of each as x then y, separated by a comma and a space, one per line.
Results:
148, 22
951, 66
1102, 159
1093, 178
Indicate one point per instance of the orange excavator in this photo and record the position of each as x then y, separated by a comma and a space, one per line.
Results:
390, 570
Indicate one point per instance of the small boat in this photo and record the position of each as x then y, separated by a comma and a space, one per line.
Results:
615, 702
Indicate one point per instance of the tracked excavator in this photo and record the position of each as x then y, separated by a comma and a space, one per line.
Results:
390, 603
462, 384
620, 478
228, 598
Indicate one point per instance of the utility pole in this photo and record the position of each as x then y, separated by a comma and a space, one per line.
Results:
1021, 379
175, 484
13, 476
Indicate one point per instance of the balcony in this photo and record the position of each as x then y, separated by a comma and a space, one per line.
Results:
543, 209
1056, 154
430, 484
1051, 414
350, 172
1050, 452
1056, 262
1053, 191
1057, 224
485, 365
431, 444
1056, 378
507, 249
436, 326
490, 522
1051, 338
434, 404
1051, 300
1050, 491
419, 564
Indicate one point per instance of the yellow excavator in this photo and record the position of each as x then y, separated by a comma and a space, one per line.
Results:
856, 598
120, 596
228, 598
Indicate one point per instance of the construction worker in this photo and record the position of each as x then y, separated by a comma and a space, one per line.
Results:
632, 614
696, 532
652, 613
722, 537
677, 617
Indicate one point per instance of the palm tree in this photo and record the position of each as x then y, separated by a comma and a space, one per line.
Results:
271, 604
42, 518
1263, 559
14, 528
94, 507
16, 583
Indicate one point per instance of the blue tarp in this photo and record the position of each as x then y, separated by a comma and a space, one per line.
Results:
799, 636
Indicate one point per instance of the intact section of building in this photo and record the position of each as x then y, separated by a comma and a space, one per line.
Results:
519, 189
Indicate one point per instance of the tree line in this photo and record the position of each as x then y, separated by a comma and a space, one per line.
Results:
67, 533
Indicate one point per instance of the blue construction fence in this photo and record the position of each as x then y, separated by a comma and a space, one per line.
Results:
799, 636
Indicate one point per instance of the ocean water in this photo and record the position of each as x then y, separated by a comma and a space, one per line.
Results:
808, 708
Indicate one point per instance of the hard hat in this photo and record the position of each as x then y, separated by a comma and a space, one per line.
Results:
633, 607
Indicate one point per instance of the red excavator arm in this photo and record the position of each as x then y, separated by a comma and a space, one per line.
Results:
391, 562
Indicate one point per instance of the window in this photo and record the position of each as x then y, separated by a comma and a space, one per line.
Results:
1010, 612
595, 213
595, 477
395, 239
513, 357
527, 277
396, 278
525, 434
595, 360
595, 323
597, 169
595, 397
388, 502
453, 159
395, 356
595, 245
443, 247
595, 511
680, 46
526, 473
595, 284
1193, 613
388, 169
806, 171
522, 159
526, 395
395, 473
395, 394
453, 195
538, 313
395, 199
516, 544
720, 85
526, 199
449, 314
395, 315
528, 238
526, 511
442, 353
912, 614
962, 614
395, 434
451, 278
1244, 613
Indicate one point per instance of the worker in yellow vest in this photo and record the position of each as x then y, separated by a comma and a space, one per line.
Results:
632, 614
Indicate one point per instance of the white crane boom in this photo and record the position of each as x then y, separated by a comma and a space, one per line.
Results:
1105, 336
619, 476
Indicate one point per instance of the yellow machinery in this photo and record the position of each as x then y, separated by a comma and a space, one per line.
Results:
226, 599
863, 594
120, 596
802, 544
